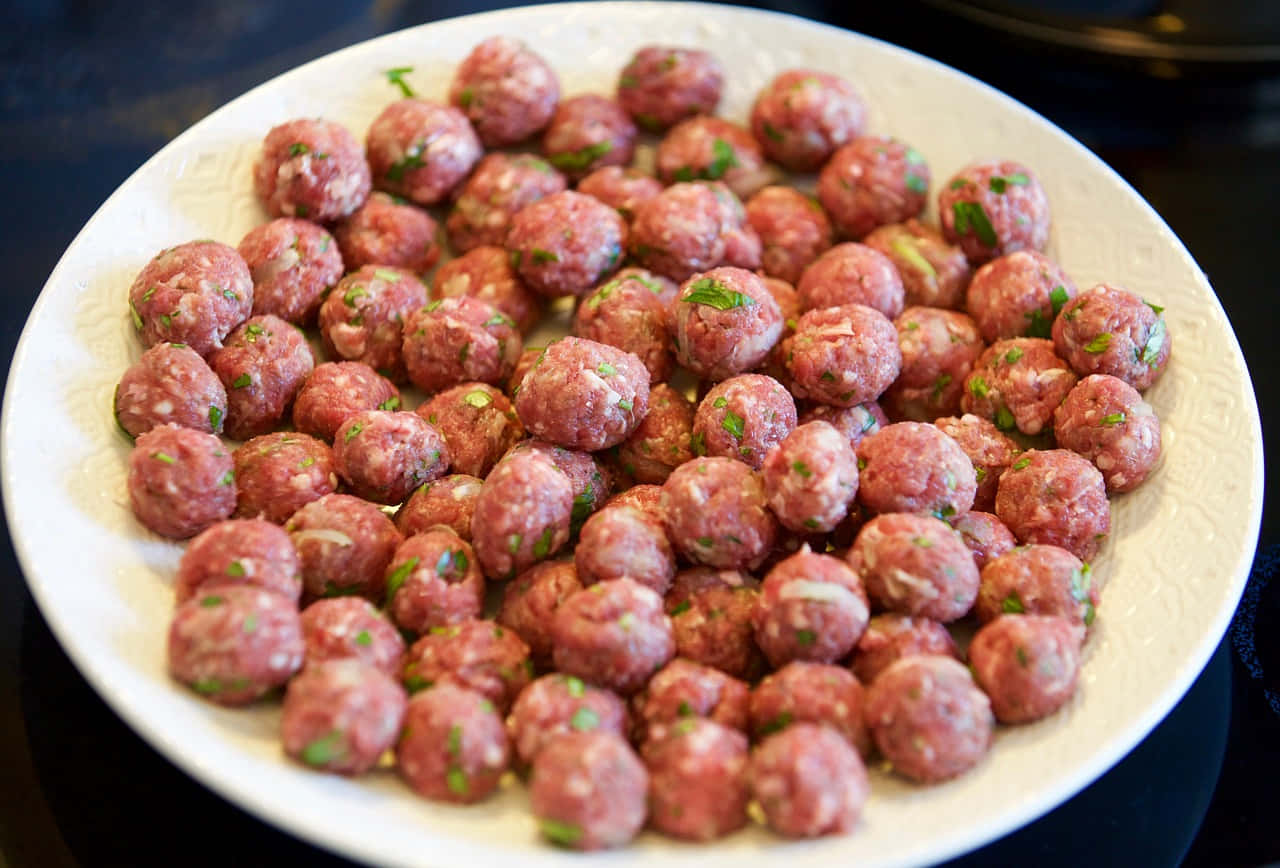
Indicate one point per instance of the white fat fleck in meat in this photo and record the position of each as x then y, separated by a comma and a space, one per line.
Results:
806, 589
493, 755
163, 408
901, 585
323, 535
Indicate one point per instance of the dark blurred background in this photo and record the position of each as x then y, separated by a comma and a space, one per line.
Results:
1182, 97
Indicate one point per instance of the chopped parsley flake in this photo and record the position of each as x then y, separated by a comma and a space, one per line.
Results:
323, 750
164, 456
211, 601
606, 370
624, 404
1113, 419
999, 183
1013, 355
363, 638
297, 149
1012, 604
978, 387
1004, 419
397, 577
235, 568
806, 637
1021, 463
916, 184
1150, 352
698, 444
392, 403
542, 547
906, 248
577, 161
349, 297
1099, 344
715, 294
970, 218
456, 780
680, 608
733, 423
584, 719
477, 398
386, 274
801, 468
541, 257
564, 834
352, 432
396, 76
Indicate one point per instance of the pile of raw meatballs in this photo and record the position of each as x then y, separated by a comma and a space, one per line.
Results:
694, 606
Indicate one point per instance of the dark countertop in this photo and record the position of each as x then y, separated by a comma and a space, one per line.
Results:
88, 91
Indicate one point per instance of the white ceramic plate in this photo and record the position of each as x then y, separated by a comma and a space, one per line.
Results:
1174, 570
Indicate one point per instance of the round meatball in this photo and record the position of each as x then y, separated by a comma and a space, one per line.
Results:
341, 716
891, 636
478, 655
1109, 330
336, 391
1017, 383
726, 322
712, 149
933, 272
421, 150
387, 231
623, 190
345, 544
1038, 580
588, 790
485, 273
587, 133
362, 319
915, 565
556, 262
521, 515
433, 580
629, 313
234, 643
192, 294
716, 513
812, 607
843, 355
500, 186
985, 536
802, 116
1018, 294
711, 613
871, 182
989, 450
743, 417
1027, 665
856, 422
698, 781
1104, 419
995, 208
928, 718
293, 263
686, 229
584, 395
556, 704
181, 481
351, 628
809, 781
914, 467
1056, 497
625, 542
793, 230
590, 486
262, 365
277, 474
663, 439
508, 92
612, 634
383, 455
803, 692
530, 600
453, 746
662, 85
170, 385
478, 423
449, 501
938, 348
811, 478
459, 340
852, 273
240, 552
311, 168
684, 689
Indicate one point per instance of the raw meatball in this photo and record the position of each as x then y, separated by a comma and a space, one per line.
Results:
624, 190
587, 133
453, 747
994, 208
852, 273
873, 181
449, 501
588, 790
662, 85
351, 628
928, 718
293, 263
262, 365
698, 780
234, 643
485, 273
916, 565
625, 542
421, 150
530, 600
1018, 294
524, 364
433, 580
507, 91
989, 450
478, 423
1038, 580
170, 385
556, 704
1105, 419
1055, 497
662, 440
629, 313
938, 348
477, 655
277, 474
566, 243
716, 513
726, 322
812, 607
341, 716
384, 455
914, 467
613, 634
181, 481
802, 116
802, 692
1017, 383
459, 340
521, 516
240, 552
793, 230
647, 498
500, 186
345, 544
336, 391
856, 422
743, 417
684, 689
933, 272
890, 637
711, 614
985, 535
590, 487
387, 231
1109, 330
584, 395
311, 168
362, 319
811, 478
809, 781
712, 149
194, 294
843, 355
1027, 664
690, 228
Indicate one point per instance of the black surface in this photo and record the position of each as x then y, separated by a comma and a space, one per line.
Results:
88, 91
